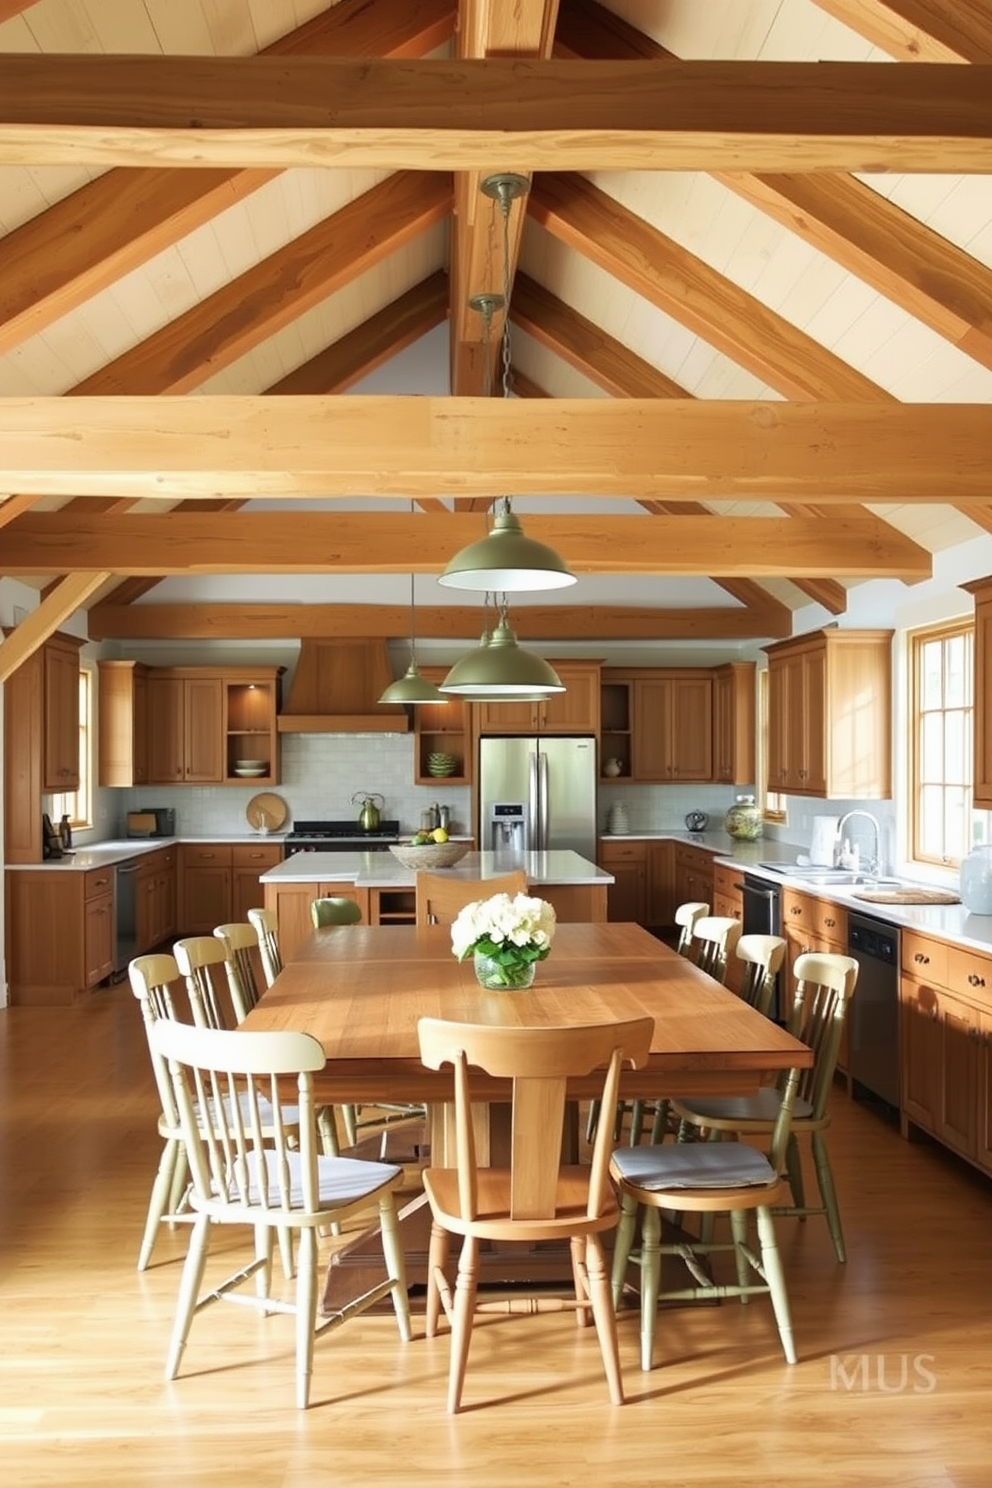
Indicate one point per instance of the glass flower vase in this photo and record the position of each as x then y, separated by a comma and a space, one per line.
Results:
516, 977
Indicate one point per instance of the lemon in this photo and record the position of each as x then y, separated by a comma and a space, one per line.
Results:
439, 834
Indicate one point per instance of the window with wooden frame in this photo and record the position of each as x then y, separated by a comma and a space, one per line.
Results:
942, 754
78, 804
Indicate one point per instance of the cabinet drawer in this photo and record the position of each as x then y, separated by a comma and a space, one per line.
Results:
830, 921
695, 858
209, 855
256, 855
97, 881
622, 852
728, 906
797, 909
924, 959
726, 881
970, 973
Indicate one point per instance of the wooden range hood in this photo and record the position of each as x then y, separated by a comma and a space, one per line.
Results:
335, 689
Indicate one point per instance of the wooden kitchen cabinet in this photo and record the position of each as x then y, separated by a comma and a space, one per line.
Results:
186, 722
574, 711
122, 710
626, 859
616, 706
830, 707
734, 723
155, 896
661, 903
443, 728
693, 875
61, 732
945, 1028
673, 727
248, 861
728, 902
56, 968
41, 741
204, 886
203, 720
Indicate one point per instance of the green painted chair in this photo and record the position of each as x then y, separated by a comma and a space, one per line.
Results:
704, 1178
334, 911
825, 983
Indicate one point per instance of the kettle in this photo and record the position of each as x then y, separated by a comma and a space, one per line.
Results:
370, 815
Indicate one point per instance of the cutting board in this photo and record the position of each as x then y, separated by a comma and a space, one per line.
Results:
267, 811
906, 896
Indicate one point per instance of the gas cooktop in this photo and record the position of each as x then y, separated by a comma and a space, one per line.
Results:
339, 836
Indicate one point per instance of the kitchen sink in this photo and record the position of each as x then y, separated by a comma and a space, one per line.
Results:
822, 877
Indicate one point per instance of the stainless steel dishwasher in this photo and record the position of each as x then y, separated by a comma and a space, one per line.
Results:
125, 916
873, 1017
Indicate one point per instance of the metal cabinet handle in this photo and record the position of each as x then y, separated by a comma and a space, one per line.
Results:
921, 960
974, 980
830, 924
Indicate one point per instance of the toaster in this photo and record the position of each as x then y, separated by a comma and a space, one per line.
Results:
151, 821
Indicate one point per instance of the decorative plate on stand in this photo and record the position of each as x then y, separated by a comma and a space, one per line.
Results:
266, 812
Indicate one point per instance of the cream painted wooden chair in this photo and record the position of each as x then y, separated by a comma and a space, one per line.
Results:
536, 1198
712, 943
762, 956
825, 983
244, 967
202, 959
686, 917
440, 896
704, 1178
157, 983
245, 1171
243, 964
266, 923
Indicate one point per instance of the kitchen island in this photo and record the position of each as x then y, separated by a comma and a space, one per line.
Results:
384, 888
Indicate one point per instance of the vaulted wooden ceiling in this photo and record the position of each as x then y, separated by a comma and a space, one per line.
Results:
751, 317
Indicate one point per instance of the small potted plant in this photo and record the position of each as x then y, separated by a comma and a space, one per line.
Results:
507, 935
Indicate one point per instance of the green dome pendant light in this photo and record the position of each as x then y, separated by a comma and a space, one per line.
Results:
505, 559
412, 687
499, 670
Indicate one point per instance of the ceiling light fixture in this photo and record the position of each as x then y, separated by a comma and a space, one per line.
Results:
500, 670
505, 559
412, 687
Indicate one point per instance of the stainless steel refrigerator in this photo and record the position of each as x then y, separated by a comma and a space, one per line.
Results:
536, 794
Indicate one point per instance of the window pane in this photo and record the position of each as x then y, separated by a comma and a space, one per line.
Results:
932, 747
931, 673
957, 685
943, 759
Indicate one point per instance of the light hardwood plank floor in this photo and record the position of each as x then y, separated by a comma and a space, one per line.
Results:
892, 1387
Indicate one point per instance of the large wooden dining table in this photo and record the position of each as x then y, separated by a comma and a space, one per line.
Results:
360, 989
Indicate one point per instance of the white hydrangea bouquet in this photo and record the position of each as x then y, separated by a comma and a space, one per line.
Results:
507, 936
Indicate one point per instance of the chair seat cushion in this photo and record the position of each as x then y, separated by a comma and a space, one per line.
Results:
341, 1181
762, 1108
694, 1165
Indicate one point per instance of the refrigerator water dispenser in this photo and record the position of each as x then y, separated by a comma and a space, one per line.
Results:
507, 827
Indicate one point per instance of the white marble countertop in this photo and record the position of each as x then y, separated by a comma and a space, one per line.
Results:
118, 850
383, 871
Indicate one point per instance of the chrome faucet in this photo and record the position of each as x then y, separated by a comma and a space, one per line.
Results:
874, 864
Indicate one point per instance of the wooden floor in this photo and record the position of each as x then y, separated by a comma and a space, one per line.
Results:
893, 1386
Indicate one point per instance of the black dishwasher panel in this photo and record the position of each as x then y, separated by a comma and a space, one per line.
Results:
873, 1017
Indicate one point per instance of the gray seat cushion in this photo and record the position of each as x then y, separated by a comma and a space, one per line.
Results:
694, 1165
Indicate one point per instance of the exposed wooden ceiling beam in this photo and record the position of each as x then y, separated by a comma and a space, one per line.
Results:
929, 277
434, 622
668, 276
247, 310
112, 225
61, 602
9, 8
392, 542
487, 28
921, 30
618, 370
273, 112
174, 447
15, 506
